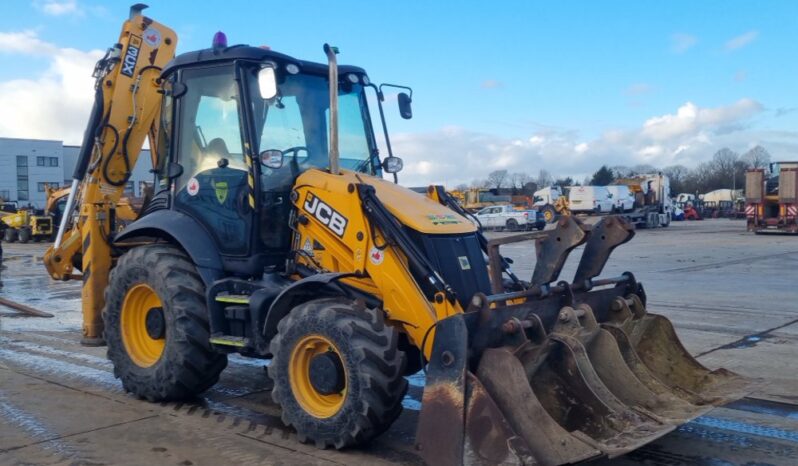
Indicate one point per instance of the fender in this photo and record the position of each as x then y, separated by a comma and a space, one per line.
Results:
183, 231
317, 286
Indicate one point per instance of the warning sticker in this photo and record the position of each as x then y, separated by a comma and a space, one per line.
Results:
152, 37
192, 188
376, 256
308, 247
464, 264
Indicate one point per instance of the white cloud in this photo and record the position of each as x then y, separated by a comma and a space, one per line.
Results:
638, 89
681, 42
491, 84
58, 8
25, 42
740, 76
741, 41
54, 104
688, 136
689, 119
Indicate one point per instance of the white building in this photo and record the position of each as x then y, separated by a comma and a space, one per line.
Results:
28, 165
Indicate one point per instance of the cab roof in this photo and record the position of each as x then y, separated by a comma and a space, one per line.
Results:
246, 52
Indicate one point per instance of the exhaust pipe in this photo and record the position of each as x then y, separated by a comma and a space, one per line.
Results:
333, 65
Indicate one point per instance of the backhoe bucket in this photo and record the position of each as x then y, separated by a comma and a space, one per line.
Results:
560, 374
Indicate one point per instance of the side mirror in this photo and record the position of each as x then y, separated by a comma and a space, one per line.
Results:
405, 110
392, 164
267, 83
272, 158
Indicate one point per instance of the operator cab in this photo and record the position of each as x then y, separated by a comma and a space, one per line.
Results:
229, 155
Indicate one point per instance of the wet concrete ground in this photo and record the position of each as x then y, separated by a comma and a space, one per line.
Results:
732, 297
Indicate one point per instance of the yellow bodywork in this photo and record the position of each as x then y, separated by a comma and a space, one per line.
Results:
386, 276
135, 111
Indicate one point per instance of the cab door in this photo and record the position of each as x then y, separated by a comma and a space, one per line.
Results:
213, 186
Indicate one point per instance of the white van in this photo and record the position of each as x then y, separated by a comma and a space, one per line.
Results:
622, 197
590, 199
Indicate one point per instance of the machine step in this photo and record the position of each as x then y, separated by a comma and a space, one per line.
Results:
232, 298
227, 340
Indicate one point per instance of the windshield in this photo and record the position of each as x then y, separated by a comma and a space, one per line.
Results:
297, 123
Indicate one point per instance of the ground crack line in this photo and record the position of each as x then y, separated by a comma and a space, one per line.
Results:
736, 343
61, 437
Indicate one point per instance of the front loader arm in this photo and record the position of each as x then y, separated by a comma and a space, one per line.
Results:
126, 111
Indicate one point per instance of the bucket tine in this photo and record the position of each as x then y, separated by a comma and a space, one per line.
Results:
504, 378
605, 236
553, 250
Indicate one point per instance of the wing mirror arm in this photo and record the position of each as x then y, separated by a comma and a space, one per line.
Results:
380, 100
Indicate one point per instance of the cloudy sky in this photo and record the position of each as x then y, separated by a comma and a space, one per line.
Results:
527, 85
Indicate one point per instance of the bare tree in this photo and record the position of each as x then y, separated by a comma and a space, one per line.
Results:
461, 187
497, 179
642, 169
756, 157
621, 171
678, 175
544, 179
725, 162
518, 180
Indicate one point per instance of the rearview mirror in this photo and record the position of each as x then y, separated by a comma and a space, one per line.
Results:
272, 158
267, 83
405, 110
392, 164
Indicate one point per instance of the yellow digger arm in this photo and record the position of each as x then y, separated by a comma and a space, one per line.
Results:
126, 111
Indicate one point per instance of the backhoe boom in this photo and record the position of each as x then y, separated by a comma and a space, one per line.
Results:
126, 109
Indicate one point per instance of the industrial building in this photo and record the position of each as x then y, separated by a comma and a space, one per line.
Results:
28, 165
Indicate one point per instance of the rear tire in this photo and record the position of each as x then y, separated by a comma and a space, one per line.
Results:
181, 363
512, 224
371, 369
11, 235
25, 235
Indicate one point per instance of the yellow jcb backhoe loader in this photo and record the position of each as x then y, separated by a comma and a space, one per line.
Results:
273, 234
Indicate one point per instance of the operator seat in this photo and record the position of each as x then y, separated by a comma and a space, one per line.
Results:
221, 202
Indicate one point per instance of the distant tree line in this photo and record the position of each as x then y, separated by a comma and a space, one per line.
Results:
725, 170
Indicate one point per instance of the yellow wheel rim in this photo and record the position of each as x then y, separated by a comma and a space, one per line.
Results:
548, 216
143, 350
315, 403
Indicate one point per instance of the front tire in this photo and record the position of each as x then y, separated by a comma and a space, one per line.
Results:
362, 393
156, 325
25, 235
11, 235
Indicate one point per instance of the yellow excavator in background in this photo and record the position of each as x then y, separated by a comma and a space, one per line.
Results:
273, 234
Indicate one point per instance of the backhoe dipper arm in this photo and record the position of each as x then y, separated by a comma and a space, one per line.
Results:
126, 111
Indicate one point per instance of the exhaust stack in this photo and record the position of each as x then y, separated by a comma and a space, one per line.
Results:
333, 64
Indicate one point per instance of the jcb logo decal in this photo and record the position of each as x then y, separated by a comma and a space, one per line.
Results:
325, 214
131, 56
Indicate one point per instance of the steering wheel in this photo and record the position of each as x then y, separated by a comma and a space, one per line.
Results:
296, 150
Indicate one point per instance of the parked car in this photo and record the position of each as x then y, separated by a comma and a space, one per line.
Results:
505, 217
595, 199
622, 197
